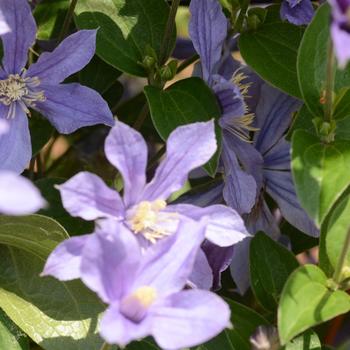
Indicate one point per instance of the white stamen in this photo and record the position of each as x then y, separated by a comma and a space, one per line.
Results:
17, 89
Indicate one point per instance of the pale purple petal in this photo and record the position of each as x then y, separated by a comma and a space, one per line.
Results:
278, 158
126, 149
15, 145
4, 126
273, 116
280, 186
240, 265
17, 42
69, 107
188, 319
117, 329
65, 260
167, 265
110, 260
86, 195
69, 57
224, 227
4, 28
240, 188
202, 275
297, 12
341, 42
208, 30
188, 147
219, 260
18, 196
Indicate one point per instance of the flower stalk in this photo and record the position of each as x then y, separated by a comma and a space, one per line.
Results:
67, 20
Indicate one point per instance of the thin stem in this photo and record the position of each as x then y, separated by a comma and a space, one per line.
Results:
169, 31
337, 277
105, 346
329, 83
141, 118
186, 63
67, 20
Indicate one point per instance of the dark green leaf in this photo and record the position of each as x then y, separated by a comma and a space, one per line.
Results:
312, 61
187, 101
306, 301
40, 131
49, 16
55, 210
11, 337
271, 51
126, 29
270, 266
318, 185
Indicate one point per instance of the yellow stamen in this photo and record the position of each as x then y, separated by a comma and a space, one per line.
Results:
145, 296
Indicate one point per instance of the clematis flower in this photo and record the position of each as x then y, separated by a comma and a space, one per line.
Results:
340, 30
18, 196
298, 12
144, 291
68, 107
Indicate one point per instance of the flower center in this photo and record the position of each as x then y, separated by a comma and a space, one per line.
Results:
21, 90
135, 305
146, 218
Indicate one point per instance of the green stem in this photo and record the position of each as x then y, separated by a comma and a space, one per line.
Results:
67, 20
329, 83
141, 118
169, 31
337, 277
105, 346
186, 63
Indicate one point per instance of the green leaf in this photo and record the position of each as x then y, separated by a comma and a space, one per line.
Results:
312, 61
55, 315
270, 266
40, 131
187, 101
271, 51
126, 29
336, 231
306, 301
11, 337
245, 321
56, 211
49, 16
318, 185
307, 341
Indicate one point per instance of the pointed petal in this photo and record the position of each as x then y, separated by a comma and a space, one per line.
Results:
219, 260
110, 261
126, 149
188, 319
280, 186
240, 188
240, 265
86, 195
224, 227
208, 30
74, 53
278, 158
15, 144
18, 196
117, 329
69, 107
65, 260
188, 147
167, 265
299, 13
202, 275
17, 42
273, 116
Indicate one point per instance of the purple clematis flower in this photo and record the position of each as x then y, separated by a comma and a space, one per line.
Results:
144, 290
340, 30
68, 107
18, 196
298, 12
143, 209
